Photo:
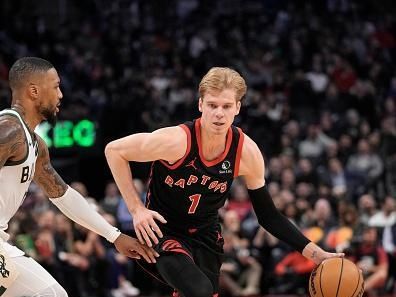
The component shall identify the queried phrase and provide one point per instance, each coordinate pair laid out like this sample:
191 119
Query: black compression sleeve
274 222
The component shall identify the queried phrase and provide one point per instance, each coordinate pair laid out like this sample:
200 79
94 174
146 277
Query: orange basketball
336 277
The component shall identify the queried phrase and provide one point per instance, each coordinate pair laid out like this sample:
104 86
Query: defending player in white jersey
36 97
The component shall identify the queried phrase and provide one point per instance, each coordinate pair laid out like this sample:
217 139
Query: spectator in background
389 245
387 215
112 199
119 270
293 270
274 170
314 145
241 272
371 259
338 178
306 173
80 187
123 215
239 200
323 215
44 242
367 208
345 147
348 226
366 164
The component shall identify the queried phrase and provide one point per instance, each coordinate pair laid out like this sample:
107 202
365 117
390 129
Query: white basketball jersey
15 178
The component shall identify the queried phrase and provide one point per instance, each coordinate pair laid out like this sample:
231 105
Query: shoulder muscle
12 139
252 166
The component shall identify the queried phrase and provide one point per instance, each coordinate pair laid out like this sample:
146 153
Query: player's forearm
123 177
313 252
75 207
274 222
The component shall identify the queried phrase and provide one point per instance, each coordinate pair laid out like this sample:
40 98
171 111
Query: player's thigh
33 280
180 271
210 263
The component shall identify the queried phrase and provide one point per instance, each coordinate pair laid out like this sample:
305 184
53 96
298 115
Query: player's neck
213 145
27 115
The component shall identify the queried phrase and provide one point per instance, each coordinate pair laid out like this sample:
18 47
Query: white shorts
32 279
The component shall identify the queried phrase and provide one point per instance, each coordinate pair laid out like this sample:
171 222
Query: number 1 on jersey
194 202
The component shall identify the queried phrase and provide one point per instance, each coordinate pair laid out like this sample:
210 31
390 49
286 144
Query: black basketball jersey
189 192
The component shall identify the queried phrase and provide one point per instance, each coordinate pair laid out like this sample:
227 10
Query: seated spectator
367 208
240 272
323 215
239 200
119 270
387 215
306 173
89 258
294 270
314 145
343 233
112 198
338 178
366 164
371 259
389 244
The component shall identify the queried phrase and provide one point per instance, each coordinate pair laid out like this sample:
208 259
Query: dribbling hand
326 255
147 230
132 248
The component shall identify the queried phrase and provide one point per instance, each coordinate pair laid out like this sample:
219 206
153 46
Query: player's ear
200 104
238 107
33 91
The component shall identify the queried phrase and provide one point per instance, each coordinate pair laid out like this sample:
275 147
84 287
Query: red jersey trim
179 162
219 158
239 152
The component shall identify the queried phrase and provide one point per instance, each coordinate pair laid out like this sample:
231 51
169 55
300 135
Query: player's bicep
12 140
252 166
168 144
45 175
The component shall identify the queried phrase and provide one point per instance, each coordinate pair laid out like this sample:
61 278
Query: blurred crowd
321 105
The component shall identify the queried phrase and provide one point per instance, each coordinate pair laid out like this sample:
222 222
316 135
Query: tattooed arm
12 140
76 208
45 175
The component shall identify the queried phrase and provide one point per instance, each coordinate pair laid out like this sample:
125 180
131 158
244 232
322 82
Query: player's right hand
132 248
147 230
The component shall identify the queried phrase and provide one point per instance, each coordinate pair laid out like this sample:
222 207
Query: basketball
336 277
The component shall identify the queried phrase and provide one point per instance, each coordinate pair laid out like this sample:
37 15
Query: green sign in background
67 134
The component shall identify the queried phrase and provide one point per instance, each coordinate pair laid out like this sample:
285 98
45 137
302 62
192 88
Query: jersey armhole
180 161
238 153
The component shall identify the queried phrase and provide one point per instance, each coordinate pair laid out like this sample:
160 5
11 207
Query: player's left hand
326 255
317 254
132 248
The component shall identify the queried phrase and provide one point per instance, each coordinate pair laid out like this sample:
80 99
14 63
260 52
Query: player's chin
219 129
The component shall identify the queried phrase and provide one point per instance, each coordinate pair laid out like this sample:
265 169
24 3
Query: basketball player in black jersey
193 167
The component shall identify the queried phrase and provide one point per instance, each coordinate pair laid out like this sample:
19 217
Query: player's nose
219 112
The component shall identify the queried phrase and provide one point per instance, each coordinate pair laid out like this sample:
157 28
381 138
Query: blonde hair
220 78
